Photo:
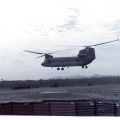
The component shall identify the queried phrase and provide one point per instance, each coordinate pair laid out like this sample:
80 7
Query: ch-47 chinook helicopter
84 57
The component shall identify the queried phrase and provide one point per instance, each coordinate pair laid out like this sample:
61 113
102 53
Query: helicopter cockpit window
48 61
82 52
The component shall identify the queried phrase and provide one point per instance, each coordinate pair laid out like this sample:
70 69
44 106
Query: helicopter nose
43 64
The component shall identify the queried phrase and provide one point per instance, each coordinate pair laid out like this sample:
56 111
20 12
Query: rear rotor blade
102 43
70 45
91 45
61 50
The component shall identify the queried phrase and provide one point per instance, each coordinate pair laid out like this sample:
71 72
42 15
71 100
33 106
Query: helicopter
84 57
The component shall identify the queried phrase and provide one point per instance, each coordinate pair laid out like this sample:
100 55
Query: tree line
25 84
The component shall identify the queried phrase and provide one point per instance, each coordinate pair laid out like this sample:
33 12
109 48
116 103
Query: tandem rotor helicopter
84 57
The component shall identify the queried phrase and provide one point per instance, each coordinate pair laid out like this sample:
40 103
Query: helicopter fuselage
85 57
66 62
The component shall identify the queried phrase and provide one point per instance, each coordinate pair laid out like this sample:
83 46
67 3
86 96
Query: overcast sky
42 25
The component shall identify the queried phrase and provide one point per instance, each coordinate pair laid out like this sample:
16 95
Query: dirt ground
107 92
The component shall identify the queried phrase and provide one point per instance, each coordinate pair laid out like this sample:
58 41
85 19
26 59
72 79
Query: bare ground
107 92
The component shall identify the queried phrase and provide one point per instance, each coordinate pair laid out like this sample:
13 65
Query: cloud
70 22
74 10
113 26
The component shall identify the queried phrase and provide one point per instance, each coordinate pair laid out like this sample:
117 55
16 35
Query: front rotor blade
33 52
41 56
103 43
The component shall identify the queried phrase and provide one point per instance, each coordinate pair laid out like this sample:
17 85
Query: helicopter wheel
58 68
86 67
82 66
62 68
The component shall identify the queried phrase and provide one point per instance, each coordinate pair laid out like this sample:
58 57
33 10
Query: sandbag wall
61 108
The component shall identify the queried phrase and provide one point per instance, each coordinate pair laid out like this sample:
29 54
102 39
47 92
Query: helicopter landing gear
84 66
58 68
62 68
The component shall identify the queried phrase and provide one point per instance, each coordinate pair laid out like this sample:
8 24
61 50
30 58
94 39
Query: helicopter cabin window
78 59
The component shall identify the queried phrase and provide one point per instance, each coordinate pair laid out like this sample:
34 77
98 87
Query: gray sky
41 25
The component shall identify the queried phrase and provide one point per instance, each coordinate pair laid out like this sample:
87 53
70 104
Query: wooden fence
62 108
